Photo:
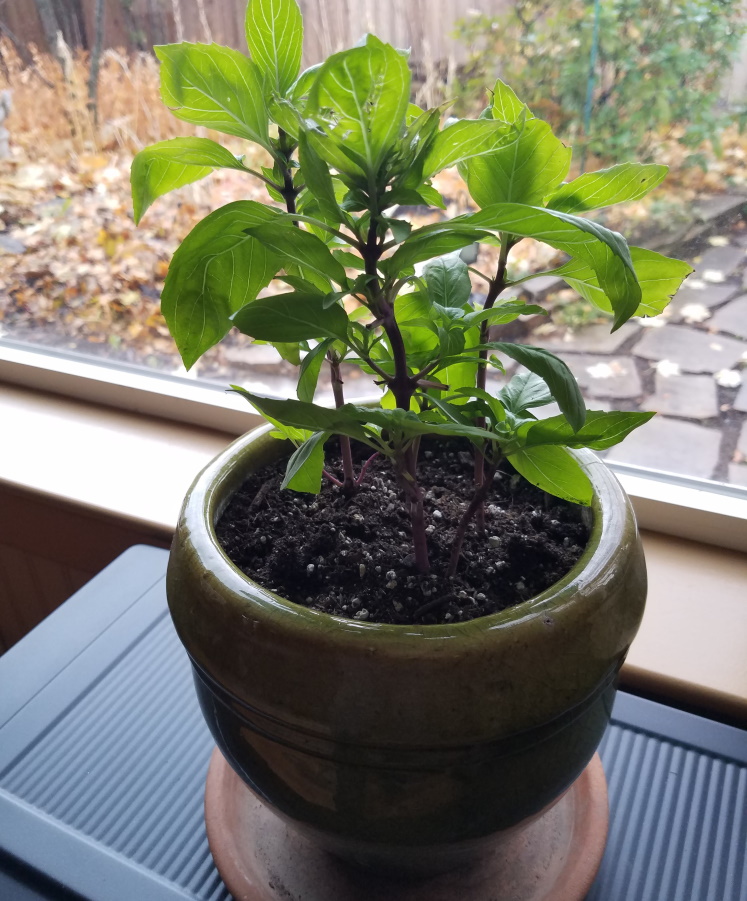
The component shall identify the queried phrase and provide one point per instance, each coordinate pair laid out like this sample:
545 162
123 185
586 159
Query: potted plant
416 737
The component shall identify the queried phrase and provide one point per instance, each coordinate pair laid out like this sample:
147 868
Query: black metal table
103 756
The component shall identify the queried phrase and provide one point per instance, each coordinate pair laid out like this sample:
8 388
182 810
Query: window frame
697 509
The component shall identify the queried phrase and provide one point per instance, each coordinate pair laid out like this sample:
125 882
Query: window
79 283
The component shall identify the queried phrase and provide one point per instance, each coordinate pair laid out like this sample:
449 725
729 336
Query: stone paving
689 365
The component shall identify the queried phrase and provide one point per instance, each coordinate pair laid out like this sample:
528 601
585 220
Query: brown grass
51 121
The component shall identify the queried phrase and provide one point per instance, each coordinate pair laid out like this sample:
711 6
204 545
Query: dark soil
352 556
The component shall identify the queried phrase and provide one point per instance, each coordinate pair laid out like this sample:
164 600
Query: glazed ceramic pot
404 746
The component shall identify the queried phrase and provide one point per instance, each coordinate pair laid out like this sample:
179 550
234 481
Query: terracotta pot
405 747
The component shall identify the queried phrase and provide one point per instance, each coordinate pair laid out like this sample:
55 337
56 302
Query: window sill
692 646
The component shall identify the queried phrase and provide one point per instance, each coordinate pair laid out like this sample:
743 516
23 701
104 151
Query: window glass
645 80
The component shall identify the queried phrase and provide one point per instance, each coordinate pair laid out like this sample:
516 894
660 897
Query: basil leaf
168 165
448 282
555 471
274 34
594 190
557 376
463 140
215 87
524 391
304 470
216 271
291 317
600 431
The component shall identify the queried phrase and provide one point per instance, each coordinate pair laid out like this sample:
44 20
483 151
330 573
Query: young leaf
600 431
308 374
557 376
524 391
605 251
555 471
506 105
448 281
217 270
168 165
594 190
463 140
304 470
291 317
318 180
524 172
367 90
660 278
274 33
215 87
297 247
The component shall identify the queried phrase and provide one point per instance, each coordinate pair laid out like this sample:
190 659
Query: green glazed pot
406 747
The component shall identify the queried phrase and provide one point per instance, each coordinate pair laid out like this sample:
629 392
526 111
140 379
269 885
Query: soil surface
352 557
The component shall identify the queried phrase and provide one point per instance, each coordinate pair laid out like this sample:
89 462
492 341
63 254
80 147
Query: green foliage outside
659 64
346 147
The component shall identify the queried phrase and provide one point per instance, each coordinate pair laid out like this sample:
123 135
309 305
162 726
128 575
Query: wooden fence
424 25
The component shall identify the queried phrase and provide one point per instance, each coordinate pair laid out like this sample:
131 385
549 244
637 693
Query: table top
103 756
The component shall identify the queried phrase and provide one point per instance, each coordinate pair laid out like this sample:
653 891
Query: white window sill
692 646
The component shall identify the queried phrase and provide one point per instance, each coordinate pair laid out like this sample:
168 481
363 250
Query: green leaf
168 165
274 33
555 471
216 271
318 179
407 425
660 278
557 376
304 470
506 105
464 140
427 243
524 172
594 190
600 431
297 247
367 92
605 251
503 313
291 317
524 391
345 420
448 281
215 87
308 374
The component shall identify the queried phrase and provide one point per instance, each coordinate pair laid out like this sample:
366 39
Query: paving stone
692 350
591 339
742 443
600 376
670 445
543 285
11 245
688 396
732 318
740 402
697 292
738 474
724 260
717 205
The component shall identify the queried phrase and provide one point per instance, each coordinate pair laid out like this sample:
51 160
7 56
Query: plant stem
476 503
349 484
403 387
496 286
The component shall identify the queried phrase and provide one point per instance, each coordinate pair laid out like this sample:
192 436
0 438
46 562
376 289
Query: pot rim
209 493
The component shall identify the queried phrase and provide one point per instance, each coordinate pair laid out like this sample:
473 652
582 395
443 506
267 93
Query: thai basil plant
346 150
